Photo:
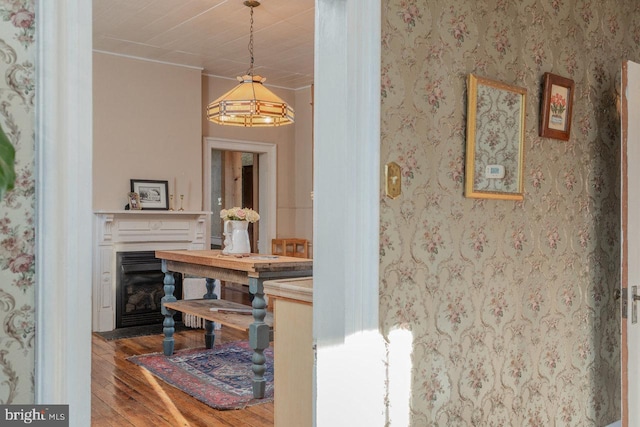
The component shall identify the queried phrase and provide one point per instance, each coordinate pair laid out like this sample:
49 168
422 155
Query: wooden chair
292 247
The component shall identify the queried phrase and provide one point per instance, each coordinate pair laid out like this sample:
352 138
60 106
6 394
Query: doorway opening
259 155
234 182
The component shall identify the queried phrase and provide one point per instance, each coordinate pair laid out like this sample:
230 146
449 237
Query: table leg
209 334
210 284
168 323
258 336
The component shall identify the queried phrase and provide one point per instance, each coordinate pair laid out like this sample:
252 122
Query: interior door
250 187
630 242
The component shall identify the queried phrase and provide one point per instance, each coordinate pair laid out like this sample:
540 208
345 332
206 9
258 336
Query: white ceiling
212 35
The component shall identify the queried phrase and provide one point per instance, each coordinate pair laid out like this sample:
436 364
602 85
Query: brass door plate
393 180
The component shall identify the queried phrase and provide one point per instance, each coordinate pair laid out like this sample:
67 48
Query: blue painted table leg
209 334
210 284
168 323
258 336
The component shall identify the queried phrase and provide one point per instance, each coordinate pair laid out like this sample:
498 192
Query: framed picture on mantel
154 195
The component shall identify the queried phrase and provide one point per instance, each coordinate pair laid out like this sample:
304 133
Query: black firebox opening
140 288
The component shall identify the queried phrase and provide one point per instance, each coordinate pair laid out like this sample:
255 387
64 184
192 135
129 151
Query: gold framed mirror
495 139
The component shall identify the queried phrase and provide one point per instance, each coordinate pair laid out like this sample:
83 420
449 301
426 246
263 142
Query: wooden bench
202 308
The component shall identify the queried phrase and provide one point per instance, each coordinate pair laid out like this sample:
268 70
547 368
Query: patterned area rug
219 377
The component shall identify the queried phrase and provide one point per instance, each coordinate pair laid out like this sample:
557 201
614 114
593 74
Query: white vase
236 237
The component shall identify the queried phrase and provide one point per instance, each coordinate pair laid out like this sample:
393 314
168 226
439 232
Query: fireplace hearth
140 288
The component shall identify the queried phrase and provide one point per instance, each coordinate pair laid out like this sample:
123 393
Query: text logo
34 415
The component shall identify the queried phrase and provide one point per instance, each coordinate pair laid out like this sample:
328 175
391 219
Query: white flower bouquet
239 214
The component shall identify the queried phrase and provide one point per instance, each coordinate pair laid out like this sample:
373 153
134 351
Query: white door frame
64 135
629 242
346 214
267 183
64 177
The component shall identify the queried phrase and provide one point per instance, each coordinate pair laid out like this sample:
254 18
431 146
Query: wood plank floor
123 394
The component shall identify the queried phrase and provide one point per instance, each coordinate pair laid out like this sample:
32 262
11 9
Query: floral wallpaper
510 304
17 209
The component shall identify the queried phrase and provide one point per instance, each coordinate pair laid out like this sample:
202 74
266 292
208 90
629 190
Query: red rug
219 377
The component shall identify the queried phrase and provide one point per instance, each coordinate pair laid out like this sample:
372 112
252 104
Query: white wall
147 125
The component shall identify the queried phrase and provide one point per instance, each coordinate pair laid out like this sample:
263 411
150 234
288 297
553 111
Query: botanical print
498 287
558 107
17 228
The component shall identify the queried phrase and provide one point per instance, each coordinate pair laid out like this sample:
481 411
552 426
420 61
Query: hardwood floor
123 394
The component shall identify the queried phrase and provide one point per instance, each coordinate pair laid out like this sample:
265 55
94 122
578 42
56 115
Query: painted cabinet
291 300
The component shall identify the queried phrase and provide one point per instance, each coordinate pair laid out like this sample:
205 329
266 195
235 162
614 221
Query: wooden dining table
251 270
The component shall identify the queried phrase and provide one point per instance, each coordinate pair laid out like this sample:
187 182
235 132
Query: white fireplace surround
125 231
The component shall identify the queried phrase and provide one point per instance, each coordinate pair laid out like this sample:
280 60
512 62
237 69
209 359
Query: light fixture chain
242 107
250 72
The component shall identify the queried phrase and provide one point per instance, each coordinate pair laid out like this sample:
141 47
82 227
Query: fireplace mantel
124 231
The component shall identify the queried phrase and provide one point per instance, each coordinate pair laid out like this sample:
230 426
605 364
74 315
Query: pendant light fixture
250 103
